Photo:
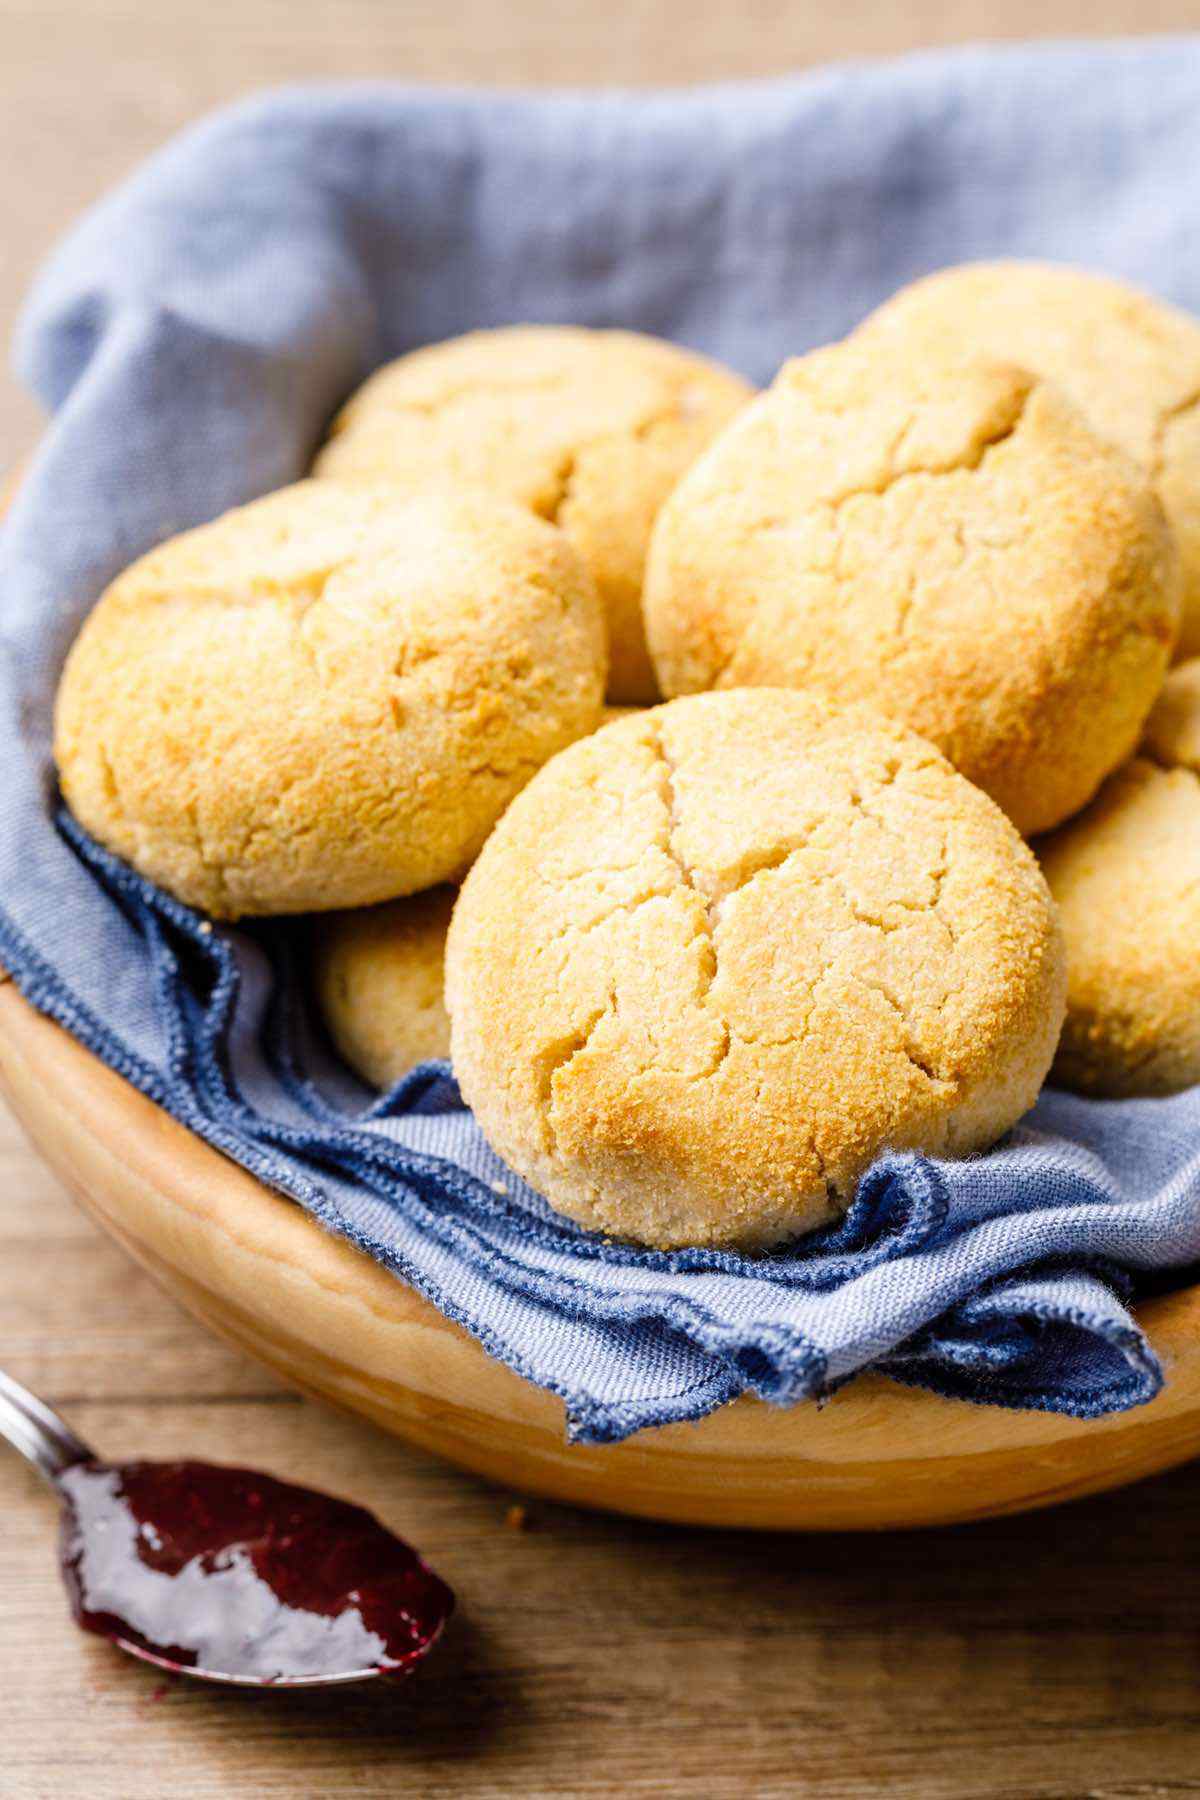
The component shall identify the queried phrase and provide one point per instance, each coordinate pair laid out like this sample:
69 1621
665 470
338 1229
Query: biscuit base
332 1323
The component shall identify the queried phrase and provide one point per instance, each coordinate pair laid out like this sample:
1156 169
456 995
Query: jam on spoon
227 1574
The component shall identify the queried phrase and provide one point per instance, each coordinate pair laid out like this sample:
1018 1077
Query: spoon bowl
228 1575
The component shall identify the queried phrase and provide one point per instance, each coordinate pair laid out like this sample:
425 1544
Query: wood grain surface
1054 1657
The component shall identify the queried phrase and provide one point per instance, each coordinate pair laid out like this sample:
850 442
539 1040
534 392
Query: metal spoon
224 1574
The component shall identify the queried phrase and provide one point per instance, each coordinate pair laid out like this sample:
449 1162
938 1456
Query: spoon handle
40 1435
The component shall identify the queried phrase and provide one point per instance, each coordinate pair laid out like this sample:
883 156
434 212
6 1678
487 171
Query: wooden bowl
328 1320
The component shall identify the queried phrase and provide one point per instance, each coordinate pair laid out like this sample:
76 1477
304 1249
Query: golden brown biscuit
1172 735
591 429
1131 364
946 541
1126 875
326 698
377 975
717 957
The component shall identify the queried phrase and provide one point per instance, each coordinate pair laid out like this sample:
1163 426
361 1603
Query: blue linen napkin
194 334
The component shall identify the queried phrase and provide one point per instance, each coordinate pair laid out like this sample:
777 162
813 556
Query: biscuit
1172 735
1126 875
328 697
943 540
715 958
1131 364
377 978
591 429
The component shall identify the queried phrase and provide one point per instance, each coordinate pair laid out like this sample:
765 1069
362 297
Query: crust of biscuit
944 540
377 977
326 698
1172 736
718 956
1129 361
591 429
1126 875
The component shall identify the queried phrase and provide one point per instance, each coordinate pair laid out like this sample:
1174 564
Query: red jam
228 1572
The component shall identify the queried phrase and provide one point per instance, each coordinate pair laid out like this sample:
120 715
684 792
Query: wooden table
1041 1659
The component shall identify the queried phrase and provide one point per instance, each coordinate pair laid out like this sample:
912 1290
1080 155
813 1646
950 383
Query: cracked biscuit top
944 540
328 697
1126 876
718 956
1130 362
591 429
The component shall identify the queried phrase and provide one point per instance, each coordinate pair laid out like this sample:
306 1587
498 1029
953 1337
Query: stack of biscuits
734 786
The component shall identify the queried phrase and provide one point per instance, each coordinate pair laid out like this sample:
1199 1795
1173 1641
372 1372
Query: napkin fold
193 335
